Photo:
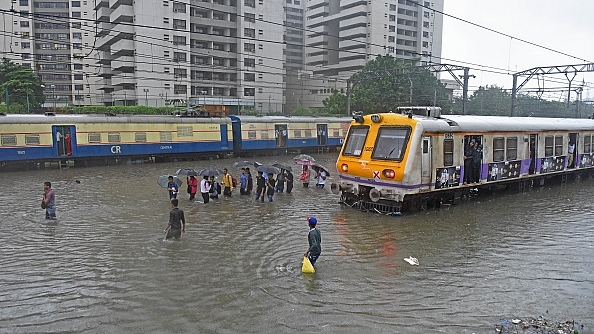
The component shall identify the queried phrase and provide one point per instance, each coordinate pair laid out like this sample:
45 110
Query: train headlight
389 173
375 118
344 168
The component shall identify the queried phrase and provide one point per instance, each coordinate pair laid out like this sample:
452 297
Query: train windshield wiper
389 154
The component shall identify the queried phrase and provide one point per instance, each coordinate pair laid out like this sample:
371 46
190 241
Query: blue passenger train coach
121 138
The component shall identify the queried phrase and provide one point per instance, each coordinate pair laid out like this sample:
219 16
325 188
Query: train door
224 137
236 128
533 153
473 158
280 134
322 134
64 140
572 150
426 163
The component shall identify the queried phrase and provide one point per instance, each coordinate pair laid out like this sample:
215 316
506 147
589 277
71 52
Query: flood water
103 266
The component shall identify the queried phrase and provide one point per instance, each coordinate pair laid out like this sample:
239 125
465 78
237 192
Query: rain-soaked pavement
103 265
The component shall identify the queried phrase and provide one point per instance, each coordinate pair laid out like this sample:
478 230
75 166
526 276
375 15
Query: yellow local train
417 158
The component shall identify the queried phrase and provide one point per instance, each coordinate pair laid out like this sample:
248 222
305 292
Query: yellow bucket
307 267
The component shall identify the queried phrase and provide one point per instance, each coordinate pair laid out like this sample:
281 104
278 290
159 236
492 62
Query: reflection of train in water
415 158
121 138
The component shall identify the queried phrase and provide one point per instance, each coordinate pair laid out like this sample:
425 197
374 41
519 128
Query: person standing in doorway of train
314 237
260 186
177 222
59 137
173 188
192 186
49 201
305 176
468 167
68 141
476 162
243 182
205 189
227 183
250 181
570 151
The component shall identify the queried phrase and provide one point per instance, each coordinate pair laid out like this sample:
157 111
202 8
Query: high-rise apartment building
221 52
53 38
343 35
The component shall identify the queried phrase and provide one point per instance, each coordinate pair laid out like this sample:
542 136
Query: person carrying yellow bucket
315 243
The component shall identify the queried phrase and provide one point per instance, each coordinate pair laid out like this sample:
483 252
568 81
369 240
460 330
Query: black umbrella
267 169
322 167
210 172
257 164
282 166
163 180
187 172
244 163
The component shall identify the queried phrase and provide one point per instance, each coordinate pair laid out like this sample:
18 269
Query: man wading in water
177 222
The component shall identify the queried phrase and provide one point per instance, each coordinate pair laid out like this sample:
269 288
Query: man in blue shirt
49 201
173 188
243 183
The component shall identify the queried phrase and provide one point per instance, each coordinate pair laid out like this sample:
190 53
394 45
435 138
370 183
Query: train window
558 145
165 136
113 137
587 143
548 146
355 140
391 143
297 133
185 131
498 149
140 137
336 133
94 137
264 134
512 148
345 132
8 140
32 140
307 134
448 152
251 134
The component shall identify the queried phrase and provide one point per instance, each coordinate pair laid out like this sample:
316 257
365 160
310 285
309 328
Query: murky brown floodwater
103 265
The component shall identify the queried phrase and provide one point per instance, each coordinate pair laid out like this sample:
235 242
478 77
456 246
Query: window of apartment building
218 31
425 24
250 17
249 92
391 39
218 16
250 3
426 14
249 76
78 66
198 60
250 32
24 24
78 87
427 4
179 40
179 7
391 28
25 56
78 77
77 35
75 3
392 7
218 61
47 4
180 73
180 89
179 24
24 2
76 15
249 47
76 46
26 45
392 18
75 25
426 34
249 62
24 13
218 46
179 57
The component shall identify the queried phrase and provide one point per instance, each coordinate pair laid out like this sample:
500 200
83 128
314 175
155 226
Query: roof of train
103 118
471 123
292 119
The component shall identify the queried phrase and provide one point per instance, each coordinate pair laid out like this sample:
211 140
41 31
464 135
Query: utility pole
465 88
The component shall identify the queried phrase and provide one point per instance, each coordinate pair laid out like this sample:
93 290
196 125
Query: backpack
234 181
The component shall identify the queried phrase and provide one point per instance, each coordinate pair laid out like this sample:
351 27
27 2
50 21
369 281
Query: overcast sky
564 26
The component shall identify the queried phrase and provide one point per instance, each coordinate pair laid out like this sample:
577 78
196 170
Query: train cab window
355 141
558 145
391 143
587 143
549 146
512 148
8 140
448 152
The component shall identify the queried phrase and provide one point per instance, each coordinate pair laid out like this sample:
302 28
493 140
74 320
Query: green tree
489 100
386 90
335 104
23 86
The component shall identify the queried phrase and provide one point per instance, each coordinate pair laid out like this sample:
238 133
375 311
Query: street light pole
53 87
146 96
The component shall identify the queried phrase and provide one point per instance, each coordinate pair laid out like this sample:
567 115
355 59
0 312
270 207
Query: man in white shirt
205 188
321 178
